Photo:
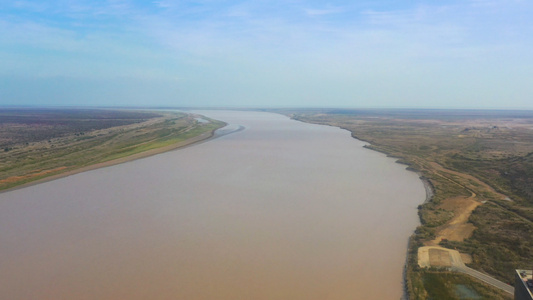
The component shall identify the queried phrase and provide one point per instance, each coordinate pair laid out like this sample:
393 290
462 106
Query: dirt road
433 256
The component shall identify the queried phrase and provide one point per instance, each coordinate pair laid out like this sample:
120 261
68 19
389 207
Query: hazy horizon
266 108
473 54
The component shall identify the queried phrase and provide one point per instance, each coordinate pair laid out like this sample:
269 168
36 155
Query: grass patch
56 152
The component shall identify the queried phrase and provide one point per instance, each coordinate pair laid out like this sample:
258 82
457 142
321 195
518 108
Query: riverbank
33 162
459 156
201 138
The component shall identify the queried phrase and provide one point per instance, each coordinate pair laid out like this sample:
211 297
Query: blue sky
429 54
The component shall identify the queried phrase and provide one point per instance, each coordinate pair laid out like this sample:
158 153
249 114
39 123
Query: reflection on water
281 210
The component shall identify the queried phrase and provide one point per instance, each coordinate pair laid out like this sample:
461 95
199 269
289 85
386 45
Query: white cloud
264 44
164 4
324 11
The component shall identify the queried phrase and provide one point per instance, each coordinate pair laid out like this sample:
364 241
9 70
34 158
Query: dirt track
458 228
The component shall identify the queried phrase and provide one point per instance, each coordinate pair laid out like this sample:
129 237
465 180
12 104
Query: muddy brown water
279 210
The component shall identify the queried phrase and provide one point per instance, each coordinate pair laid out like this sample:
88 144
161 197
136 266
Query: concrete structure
523 285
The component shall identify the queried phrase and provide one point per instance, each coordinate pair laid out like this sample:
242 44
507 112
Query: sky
362 54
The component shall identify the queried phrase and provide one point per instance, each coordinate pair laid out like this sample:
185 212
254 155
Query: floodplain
47 143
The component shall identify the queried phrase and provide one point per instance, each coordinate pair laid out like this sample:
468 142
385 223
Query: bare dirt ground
435 256
458 228
439 258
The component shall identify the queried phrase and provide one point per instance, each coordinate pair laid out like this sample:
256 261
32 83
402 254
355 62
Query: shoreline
204 137
448 180
429 191
428 187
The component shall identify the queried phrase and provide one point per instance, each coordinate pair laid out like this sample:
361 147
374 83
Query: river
279 209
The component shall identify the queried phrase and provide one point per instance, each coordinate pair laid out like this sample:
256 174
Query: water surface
278 210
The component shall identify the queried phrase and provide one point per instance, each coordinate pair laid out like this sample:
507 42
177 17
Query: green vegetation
42 143
447 285
502 241
473 160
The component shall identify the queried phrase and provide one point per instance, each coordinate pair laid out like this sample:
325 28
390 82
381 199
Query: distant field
20 126
38 143
479 165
